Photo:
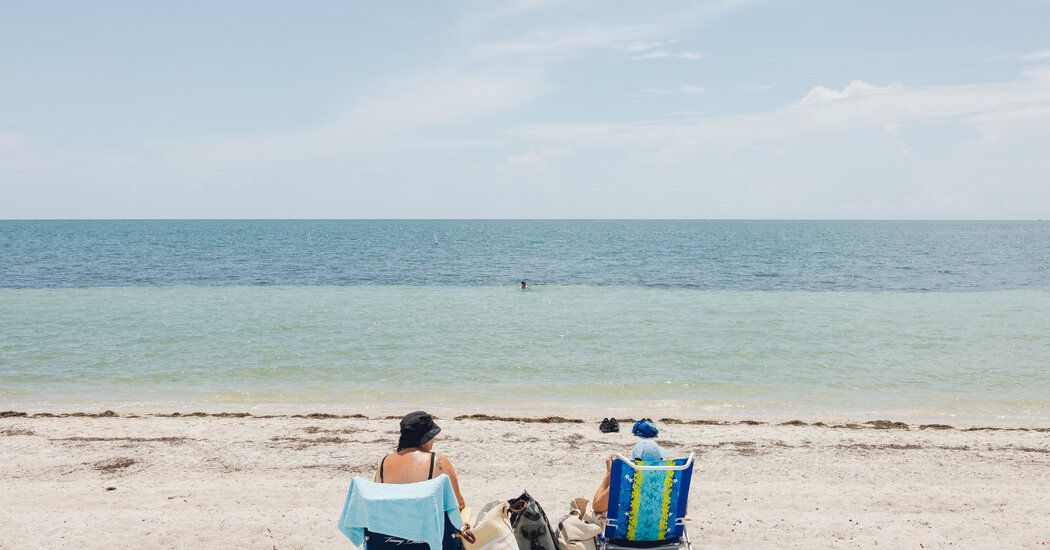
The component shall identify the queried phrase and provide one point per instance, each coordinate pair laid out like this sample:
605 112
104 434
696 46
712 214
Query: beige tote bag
491 529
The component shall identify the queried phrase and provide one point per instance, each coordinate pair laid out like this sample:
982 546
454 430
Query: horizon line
771 219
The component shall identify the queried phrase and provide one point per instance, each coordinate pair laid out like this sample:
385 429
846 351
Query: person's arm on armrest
447 469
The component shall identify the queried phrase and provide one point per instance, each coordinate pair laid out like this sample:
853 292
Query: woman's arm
447 469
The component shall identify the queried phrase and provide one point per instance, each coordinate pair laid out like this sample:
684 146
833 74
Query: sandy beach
103 480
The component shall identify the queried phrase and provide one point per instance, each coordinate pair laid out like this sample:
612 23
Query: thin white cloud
558 43
854 88
658 54
494 14
534 158
639 46
684 89
1037 56
587 31
664 54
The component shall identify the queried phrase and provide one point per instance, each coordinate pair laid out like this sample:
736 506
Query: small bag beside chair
578 530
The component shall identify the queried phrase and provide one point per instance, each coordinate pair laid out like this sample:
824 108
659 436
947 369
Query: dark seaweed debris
165 439
887 425
544 420
11 414
113 464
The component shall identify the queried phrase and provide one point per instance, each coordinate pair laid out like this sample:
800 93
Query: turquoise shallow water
692 352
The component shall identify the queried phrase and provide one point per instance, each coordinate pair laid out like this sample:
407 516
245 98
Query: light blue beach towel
412 511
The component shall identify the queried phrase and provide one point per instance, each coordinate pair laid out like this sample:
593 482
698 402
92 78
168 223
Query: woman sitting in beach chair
644 498
415 492
414 460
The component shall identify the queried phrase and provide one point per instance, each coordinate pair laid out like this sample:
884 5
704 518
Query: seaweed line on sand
871 424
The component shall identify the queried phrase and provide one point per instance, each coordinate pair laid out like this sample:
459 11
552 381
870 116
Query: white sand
280 482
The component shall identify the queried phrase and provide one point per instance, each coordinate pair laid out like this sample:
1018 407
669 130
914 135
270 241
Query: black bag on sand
531 527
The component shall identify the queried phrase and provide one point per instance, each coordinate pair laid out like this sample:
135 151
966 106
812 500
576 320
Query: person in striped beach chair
645 497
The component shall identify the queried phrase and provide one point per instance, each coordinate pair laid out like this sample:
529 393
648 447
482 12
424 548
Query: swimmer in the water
523 285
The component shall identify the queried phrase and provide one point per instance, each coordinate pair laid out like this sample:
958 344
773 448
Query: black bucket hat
416 429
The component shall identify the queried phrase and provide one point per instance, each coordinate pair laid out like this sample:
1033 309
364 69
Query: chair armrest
688 463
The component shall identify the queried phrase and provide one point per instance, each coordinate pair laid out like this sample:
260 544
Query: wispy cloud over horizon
662 54
653 50
683 89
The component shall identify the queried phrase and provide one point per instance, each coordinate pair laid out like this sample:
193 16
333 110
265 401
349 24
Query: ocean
810 319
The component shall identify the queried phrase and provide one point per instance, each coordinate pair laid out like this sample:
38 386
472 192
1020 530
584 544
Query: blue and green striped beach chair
647 503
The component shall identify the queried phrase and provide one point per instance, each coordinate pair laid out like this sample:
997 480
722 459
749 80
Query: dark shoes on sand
609 425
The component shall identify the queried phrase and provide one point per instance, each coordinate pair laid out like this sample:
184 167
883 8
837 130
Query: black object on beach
609 425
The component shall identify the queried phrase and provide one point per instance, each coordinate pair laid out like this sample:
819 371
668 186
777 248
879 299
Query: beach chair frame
680 538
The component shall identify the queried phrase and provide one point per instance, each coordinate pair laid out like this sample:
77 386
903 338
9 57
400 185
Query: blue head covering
648 450
644 428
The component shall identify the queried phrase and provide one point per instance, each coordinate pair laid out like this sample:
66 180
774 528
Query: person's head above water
417 431
523 284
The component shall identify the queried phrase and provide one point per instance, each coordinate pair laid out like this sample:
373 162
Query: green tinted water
977 355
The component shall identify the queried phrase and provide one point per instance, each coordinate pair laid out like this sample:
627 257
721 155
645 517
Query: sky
527 109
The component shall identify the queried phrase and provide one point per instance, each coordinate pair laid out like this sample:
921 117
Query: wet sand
188 480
